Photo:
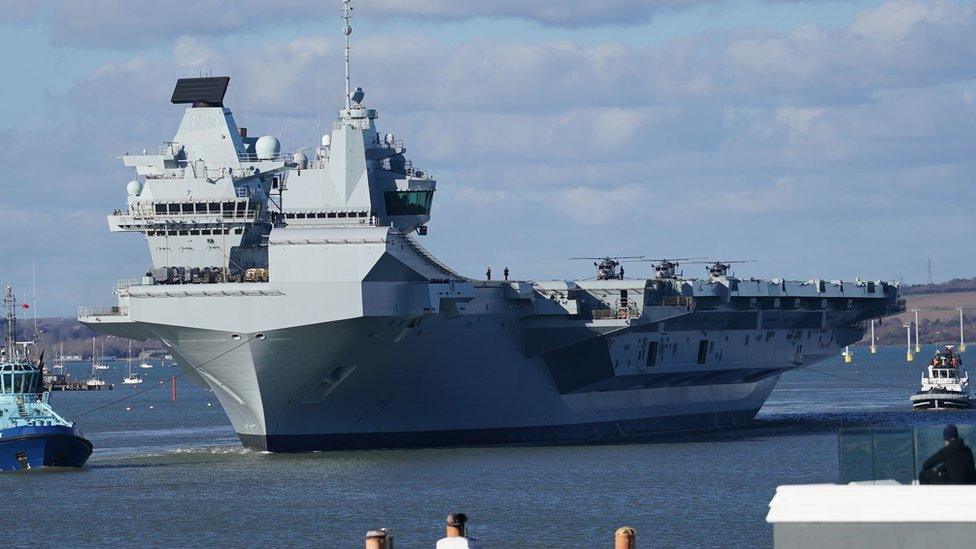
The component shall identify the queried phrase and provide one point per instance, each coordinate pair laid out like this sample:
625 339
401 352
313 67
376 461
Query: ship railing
412 242
166 148
124 283
287 158
102 311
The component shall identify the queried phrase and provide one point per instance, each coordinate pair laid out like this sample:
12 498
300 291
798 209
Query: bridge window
160 209
408 202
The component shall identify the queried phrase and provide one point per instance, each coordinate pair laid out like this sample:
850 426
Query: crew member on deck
505 272
488 273
952 464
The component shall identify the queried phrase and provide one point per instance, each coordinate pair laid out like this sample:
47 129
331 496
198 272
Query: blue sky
823 138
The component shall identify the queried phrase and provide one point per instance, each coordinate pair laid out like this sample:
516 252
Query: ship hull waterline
944 401
40 447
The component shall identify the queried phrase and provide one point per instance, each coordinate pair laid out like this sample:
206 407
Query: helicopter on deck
609 268
720 269
668 267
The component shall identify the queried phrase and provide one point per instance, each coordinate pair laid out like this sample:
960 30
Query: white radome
267 147
300 159
327 140
134 188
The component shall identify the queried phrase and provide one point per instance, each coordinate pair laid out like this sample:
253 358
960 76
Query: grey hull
597 433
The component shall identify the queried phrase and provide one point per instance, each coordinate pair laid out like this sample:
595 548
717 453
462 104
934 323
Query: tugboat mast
10 303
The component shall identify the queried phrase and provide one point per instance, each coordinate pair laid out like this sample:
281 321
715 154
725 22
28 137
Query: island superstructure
293 285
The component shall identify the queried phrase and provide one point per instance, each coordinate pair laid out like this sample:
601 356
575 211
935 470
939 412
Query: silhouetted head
455 524
950 432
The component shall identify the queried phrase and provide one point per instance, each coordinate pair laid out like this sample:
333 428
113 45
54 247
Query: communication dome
326 140
267 147
134 188
300 159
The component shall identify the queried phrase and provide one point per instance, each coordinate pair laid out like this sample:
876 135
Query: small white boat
94 382
945 384
100 366
146 366
130 378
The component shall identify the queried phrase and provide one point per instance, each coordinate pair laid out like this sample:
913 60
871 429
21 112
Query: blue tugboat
32 435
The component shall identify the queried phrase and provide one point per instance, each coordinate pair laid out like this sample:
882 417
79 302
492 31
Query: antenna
34 297
11 335
347 30
929 269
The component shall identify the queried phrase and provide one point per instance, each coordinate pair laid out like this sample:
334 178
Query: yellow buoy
848 355
909 357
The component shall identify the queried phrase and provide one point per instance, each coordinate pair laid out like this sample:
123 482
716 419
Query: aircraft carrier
293 285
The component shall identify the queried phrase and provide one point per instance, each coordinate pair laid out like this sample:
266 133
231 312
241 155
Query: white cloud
127 24
596 206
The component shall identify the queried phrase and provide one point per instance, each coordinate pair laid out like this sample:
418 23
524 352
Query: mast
10 302
34 299
347 30
918 348
908 353
874 348
962 333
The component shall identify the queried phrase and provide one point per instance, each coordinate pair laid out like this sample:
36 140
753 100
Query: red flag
24 306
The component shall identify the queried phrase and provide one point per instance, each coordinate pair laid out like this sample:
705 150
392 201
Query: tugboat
945 384
32 435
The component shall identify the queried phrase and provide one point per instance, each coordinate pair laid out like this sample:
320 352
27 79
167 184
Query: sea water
174 473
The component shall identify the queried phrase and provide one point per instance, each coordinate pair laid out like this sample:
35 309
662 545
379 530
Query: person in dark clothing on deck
954 462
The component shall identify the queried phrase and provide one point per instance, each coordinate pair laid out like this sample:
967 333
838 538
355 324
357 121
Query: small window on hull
651 354
702 351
